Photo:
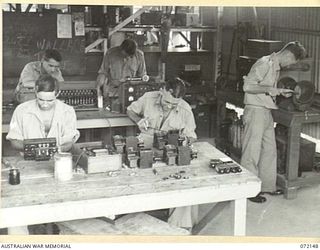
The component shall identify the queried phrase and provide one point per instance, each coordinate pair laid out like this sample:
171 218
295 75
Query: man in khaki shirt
49 65
119 63
43 117
259 152
166 110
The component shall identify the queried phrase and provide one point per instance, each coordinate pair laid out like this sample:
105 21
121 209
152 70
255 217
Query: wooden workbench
40 198
293 120
85 119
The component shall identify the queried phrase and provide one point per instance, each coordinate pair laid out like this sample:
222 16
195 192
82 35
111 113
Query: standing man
49 65
259 152
119 63
166 110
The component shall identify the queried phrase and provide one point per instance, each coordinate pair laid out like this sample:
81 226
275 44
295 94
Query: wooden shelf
174 29
155 49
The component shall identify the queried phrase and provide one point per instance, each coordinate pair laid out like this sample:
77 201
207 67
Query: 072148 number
304 246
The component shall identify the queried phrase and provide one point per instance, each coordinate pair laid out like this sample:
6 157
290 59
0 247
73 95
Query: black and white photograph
140 120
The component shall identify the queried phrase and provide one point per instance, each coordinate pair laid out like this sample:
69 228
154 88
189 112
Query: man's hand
143 124
276 92
100 82
287 92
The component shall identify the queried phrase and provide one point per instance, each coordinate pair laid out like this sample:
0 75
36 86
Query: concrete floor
277 217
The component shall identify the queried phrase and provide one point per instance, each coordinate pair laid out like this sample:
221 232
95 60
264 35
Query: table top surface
81 114
38 185
85 119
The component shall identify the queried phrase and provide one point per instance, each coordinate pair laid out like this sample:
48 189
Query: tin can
63 166
14 176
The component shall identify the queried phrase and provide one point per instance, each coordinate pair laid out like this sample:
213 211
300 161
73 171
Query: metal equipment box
94 157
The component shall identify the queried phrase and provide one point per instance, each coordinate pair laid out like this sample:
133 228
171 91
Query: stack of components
225 167
174 152
39 149
95 157
131 152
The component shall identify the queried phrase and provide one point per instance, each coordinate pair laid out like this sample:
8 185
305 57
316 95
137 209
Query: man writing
49 65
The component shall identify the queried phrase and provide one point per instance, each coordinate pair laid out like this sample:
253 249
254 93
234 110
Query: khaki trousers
259 152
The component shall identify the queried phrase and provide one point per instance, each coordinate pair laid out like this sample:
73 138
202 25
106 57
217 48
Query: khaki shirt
116 67
264 72
26 123
28 77
148 106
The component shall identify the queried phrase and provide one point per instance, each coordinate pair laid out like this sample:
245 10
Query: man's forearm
100 80
133 116
65 147
256 89
17 144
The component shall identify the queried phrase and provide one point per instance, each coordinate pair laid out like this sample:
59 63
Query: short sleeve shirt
27 124
30 74
264 72
117 67
181 117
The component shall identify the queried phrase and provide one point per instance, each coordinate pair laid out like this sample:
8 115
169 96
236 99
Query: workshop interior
111 181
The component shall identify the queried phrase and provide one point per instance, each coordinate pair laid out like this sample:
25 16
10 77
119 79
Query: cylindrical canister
63 166
14 176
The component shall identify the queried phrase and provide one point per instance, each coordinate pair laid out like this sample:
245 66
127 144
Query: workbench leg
239 208
292 162
214 211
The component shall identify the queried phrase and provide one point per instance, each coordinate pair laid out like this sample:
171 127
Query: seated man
166 110
40 118
49 65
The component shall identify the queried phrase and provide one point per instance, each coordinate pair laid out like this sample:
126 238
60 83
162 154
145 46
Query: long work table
85 119
40 198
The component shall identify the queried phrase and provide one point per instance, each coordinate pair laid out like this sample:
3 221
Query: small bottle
14 177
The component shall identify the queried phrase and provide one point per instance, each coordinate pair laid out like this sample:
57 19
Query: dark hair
296 48
129 46
176 86
52 53
46 83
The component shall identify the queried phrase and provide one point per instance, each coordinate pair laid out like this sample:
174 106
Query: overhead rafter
28 8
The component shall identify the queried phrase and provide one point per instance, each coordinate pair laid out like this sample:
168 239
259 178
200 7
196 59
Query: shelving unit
197 32
208 61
